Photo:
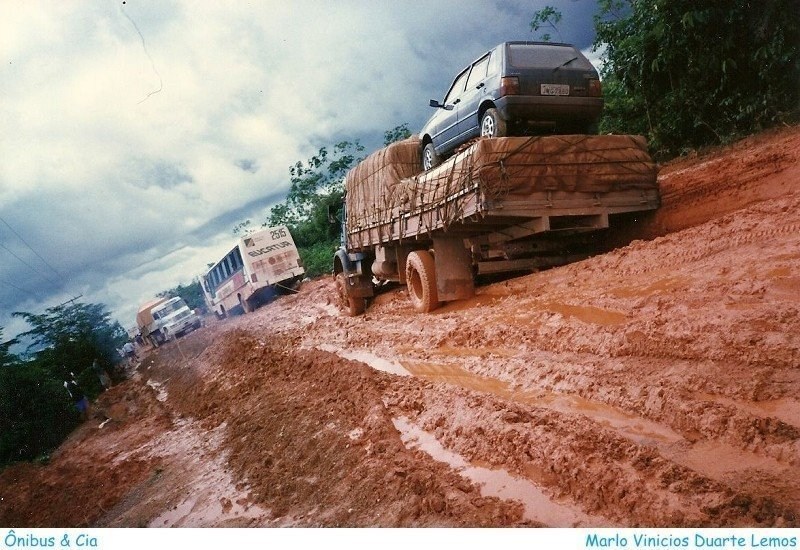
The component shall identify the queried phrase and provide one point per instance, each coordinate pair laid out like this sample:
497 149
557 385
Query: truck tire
421 281
351 305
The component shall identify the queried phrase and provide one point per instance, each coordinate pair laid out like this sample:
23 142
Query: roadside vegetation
689 74
313 205
36 411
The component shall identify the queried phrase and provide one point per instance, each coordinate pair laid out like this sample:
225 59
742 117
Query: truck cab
166 319
174 318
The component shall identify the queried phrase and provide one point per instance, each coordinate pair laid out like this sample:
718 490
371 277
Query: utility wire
30 247
25 290
35 270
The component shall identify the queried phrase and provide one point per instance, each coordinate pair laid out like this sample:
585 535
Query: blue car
516 88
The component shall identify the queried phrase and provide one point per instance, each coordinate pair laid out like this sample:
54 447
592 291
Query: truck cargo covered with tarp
494 181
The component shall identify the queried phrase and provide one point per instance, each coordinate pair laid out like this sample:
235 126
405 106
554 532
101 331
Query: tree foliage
316 188
36 412
70 337
546 18
316 192
689 73
7 358
397 133
192 294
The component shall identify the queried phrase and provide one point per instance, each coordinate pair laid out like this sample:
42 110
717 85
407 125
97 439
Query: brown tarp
388 183
374 186
145 314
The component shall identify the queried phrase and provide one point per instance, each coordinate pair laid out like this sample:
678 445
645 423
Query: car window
478 71
494 61
457 88
526 56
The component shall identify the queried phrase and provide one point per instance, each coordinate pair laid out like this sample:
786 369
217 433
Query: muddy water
538 507
374 361
786 410
215 500
637 429
729 462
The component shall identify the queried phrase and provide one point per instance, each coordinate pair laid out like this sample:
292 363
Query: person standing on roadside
78 397
102 375
130 352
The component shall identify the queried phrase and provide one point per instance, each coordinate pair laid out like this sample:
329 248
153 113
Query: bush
318 258
691 73
36 412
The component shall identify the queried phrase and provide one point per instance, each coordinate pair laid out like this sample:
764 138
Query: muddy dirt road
654 385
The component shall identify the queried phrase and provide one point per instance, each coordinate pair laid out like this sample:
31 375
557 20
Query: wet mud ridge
654 385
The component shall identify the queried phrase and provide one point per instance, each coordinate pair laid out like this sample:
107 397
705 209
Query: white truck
165 319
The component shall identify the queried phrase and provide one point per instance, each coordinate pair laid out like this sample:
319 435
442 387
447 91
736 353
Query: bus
258 267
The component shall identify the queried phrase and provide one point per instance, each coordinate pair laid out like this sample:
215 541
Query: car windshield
542 56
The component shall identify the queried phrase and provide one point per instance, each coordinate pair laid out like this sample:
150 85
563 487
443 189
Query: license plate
555 89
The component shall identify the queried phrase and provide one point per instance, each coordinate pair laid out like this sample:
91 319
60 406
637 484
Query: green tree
547 17
316 188
68 338
397 133
7 358
698 72
36 412
316 191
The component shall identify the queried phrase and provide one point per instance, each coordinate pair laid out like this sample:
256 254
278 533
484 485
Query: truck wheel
492 125
351 305
421 280
429 157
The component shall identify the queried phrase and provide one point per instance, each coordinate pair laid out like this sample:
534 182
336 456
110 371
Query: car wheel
429 157
492 125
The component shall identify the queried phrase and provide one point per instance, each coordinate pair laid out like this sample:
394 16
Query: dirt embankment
653 385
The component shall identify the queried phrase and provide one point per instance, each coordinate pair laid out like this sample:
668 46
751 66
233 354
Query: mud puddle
538 507
370 359
632 427
786 409
215 500
728 460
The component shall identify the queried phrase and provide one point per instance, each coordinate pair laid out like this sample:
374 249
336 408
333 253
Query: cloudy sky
134 135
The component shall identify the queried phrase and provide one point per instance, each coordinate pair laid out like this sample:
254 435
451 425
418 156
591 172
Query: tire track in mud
715 244
585 462
678 449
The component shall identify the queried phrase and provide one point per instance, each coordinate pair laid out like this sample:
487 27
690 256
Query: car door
475 90
447 124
